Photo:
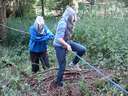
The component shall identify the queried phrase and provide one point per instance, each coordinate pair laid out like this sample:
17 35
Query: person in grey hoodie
63 43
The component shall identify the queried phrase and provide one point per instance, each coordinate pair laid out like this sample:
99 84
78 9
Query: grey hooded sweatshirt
64 27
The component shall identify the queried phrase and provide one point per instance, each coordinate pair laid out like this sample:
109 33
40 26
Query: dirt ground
71 86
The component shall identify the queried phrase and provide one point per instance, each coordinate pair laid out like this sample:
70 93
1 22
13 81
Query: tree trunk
42 6
2 19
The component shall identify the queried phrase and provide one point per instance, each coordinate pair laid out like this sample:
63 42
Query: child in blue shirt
39 35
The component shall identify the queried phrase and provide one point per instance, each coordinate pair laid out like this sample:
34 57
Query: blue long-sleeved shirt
38 42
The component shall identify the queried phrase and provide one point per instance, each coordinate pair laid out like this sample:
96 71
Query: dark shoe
35 68
60 84
54 85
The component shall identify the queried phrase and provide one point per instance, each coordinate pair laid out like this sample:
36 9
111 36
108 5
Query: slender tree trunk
42 6
2 19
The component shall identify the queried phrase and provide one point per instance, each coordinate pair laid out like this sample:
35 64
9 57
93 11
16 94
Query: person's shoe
71 64
52 85
76 67
60 84
35 68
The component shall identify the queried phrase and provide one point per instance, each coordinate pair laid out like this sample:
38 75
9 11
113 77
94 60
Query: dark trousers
36 57
61 57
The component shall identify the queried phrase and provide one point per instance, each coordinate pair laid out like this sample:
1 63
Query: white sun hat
39 21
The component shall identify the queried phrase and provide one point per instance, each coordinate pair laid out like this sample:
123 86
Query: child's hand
68 47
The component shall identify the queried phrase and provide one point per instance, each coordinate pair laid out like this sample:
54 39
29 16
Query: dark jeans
61 57
36 57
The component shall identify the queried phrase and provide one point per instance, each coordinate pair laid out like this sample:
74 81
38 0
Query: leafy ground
84 83
16 78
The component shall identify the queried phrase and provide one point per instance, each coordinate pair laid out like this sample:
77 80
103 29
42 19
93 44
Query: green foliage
100 84
10 66
15 37
13 61
50 4
84 89
103 36
25 8
106 88
126 87
124 1
61 4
